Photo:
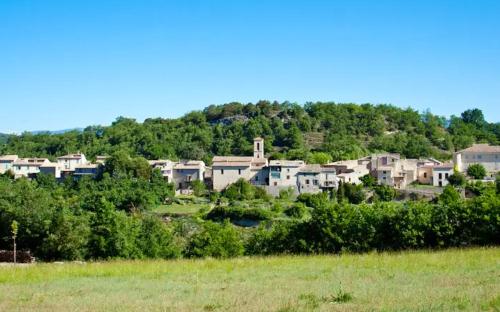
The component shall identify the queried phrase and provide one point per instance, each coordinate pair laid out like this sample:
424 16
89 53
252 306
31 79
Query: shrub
476 171
384 192
215 240
297 210
457 179
368 180
237 213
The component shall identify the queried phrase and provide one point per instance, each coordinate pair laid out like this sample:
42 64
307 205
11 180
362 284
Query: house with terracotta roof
228 169
484 154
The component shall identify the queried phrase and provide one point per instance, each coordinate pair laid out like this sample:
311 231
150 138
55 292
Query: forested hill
316 132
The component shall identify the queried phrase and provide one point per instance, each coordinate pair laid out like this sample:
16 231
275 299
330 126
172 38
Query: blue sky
66 64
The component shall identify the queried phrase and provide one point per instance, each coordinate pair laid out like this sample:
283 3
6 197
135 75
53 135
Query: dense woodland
112 215
316 132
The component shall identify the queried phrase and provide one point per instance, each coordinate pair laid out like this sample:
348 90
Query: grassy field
411 281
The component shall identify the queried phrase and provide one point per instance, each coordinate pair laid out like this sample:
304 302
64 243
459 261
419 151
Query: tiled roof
287 163
71 156
482 148
8 157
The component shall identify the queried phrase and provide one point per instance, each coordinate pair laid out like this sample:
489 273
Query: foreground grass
418 281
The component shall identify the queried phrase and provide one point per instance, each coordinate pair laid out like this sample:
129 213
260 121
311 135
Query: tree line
316 132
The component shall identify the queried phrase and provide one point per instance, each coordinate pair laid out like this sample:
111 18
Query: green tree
215 240
457 179
476 171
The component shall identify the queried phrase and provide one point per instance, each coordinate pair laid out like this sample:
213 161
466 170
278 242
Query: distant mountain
56 131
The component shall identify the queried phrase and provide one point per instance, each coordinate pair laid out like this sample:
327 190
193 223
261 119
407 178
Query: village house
89 170
185 172
166 168
484 154
228 169
51 168
440 174
70 161
316 178
27 167
6 162
350 171
283 175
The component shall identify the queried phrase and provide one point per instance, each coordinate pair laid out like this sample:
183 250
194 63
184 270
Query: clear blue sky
66 64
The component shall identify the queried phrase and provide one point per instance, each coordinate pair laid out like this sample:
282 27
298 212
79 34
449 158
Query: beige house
27 167
350 171
390 169
484 154
228 169
51 168
6 162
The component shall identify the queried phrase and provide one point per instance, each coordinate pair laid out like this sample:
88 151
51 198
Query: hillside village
275 175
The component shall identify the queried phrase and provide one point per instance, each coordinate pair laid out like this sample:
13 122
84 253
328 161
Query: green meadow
451 280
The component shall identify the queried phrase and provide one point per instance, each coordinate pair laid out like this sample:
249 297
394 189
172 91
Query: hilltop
316 132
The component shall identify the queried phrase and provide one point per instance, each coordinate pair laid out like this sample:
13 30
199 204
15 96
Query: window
288 177
307 181
479 156
440 175
275 183
256 178
384 172
222 171
258 146
239 171
446 175
425 174
287 169
315 182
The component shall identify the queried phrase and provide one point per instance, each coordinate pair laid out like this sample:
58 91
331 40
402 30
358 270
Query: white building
166 168
186 172
440 174
228 169
316 178
283 175
6 162
484 154
70 161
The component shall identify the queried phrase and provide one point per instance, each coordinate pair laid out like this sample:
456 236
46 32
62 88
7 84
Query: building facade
484 154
